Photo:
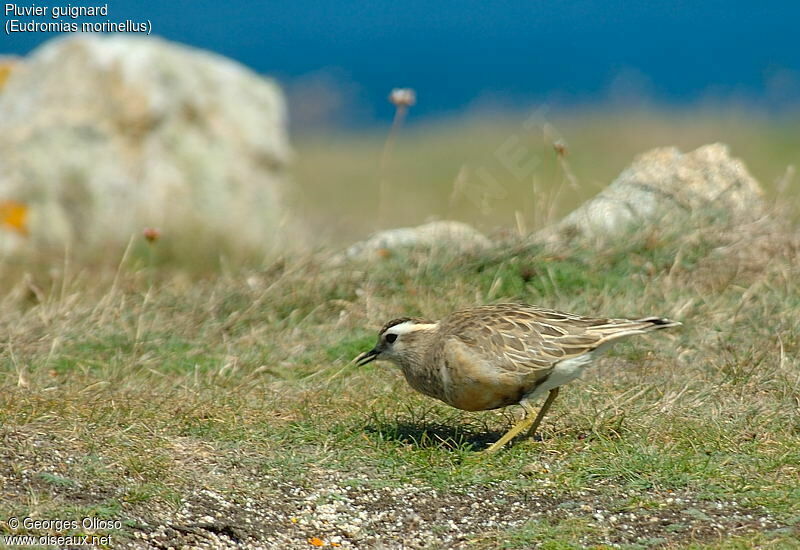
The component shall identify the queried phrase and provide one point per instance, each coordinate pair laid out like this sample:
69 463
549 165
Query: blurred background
598 81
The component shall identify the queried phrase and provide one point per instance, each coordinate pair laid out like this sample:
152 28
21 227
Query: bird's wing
523 338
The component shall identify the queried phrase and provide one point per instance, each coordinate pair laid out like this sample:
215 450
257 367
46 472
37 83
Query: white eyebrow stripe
410 326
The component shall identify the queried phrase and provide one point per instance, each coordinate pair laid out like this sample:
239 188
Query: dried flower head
560 148
403 97
152 234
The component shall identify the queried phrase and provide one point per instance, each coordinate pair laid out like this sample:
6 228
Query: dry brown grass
167 387
126 389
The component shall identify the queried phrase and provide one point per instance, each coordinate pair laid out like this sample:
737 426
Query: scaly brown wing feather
522 338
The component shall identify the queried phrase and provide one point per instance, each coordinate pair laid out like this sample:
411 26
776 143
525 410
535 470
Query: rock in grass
104 136
669 190
448 237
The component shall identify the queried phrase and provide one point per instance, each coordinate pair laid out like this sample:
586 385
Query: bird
493 356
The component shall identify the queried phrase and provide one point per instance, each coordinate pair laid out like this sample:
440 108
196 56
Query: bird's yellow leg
546 407
529 421
513 432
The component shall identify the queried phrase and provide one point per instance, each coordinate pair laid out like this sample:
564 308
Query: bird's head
400 341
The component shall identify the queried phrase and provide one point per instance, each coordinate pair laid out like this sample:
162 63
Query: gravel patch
232 506
349 513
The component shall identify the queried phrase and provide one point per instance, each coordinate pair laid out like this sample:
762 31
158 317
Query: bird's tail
657 323
620 328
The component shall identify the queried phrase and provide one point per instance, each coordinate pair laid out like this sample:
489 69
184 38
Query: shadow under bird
493 356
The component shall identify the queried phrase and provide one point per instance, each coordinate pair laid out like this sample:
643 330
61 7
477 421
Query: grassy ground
511 159
218 409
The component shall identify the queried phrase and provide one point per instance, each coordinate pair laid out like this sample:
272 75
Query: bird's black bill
366 357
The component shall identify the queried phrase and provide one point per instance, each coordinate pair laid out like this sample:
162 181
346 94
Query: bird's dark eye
391 338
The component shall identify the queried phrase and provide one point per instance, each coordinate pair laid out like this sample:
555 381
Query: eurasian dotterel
493 356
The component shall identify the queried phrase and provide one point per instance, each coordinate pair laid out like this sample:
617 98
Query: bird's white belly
563 372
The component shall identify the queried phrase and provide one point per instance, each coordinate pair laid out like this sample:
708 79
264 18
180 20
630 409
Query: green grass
159 386
129 392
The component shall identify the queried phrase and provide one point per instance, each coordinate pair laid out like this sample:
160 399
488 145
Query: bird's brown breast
473 383
475 396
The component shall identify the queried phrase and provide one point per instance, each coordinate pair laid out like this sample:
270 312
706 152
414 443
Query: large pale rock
103 136
668 189
440 236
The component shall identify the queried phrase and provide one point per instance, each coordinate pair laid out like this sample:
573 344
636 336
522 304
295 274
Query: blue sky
462 54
